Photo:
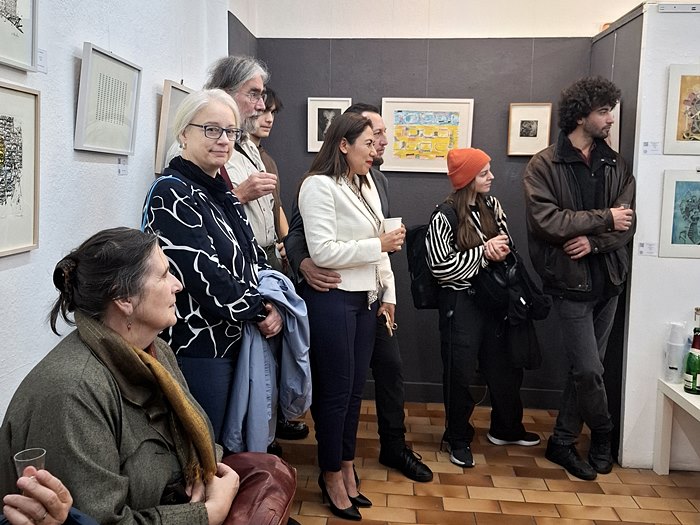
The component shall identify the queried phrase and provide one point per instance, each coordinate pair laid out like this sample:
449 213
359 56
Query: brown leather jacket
555 215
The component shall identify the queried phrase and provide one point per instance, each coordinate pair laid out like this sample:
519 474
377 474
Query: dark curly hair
584 96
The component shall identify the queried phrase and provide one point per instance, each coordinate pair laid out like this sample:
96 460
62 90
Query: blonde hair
193 104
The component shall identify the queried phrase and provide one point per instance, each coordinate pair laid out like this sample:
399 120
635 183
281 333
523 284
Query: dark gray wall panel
494 72
240 40
616 55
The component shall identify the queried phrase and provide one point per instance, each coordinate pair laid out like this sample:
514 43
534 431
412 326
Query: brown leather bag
267 489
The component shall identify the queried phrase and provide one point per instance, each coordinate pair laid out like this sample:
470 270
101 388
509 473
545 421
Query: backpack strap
449 212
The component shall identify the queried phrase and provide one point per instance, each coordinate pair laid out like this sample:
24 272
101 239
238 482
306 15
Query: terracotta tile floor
509 485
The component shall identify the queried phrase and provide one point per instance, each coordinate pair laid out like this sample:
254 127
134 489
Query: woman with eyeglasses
206 237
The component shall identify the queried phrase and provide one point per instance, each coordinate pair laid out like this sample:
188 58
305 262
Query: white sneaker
530 439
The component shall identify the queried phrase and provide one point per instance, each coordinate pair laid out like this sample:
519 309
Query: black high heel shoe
360 500
351 513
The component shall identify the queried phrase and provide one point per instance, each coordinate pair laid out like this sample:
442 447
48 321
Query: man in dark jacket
386 358
579 197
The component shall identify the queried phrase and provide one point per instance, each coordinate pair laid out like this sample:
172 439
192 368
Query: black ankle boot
567 456
600 453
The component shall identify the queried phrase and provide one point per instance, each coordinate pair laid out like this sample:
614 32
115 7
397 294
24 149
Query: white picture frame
18 34
529 127
320 113
680 211
421 131
19 168
682 132
173 95
107 102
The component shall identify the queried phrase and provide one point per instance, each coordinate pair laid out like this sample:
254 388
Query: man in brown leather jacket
579 197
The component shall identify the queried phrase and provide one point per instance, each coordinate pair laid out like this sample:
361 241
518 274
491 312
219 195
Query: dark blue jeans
342 338
210 382
586 328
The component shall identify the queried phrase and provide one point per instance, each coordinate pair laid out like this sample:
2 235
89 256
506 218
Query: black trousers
388 388
342 336
470 335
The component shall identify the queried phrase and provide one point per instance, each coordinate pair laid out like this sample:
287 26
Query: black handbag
493 282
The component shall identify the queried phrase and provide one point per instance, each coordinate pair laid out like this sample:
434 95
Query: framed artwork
421 131
18 34
682 135
320 114
107 102
173 95
680 215
528 127
19 169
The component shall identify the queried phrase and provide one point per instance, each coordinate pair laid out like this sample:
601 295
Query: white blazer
342 235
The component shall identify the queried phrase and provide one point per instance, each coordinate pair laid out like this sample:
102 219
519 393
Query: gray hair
195 102
230 73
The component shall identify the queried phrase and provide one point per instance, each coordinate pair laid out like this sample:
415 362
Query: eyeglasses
254 96
215 132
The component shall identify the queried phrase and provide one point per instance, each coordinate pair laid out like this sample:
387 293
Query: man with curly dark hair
579 197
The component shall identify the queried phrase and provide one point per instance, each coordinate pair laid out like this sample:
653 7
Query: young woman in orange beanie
470 334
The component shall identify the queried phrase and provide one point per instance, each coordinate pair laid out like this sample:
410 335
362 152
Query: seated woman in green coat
109 403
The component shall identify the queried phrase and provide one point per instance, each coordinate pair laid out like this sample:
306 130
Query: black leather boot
600 453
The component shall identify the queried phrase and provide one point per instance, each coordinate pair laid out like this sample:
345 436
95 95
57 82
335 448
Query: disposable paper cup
391 224
30 457
678 333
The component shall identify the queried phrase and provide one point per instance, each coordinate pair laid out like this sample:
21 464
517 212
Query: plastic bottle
692 365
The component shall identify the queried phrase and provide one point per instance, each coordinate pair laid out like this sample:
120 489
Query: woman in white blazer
342 215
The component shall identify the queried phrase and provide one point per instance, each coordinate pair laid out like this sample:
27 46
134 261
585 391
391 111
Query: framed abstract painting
19 169
682 135
680 215
421 131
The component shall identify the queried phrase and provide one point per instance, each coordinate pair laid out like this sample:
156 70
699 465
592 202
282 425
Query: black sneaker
462 456
408 462
291 429
600 453
529 439
567 456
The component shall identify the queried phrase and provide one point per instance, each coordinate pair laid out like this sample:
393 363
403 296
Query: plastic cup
678 333
391 224
674 366
30 457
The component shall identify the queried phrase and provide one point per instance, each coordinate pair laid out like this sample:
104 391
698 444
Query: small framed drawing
173 95
107 102
18 34
680 215
19 169
421 131
320 114
682 135
528 127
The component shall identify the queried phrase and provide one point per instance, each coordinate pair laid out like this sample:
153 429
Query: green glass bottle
692 365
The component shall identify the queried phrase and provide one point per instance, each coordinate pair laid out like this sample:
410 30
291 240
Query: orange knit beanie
463 165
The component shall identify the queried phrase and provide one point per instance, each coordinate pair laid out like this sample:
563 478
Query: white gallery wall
80 192
427 18
662 289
